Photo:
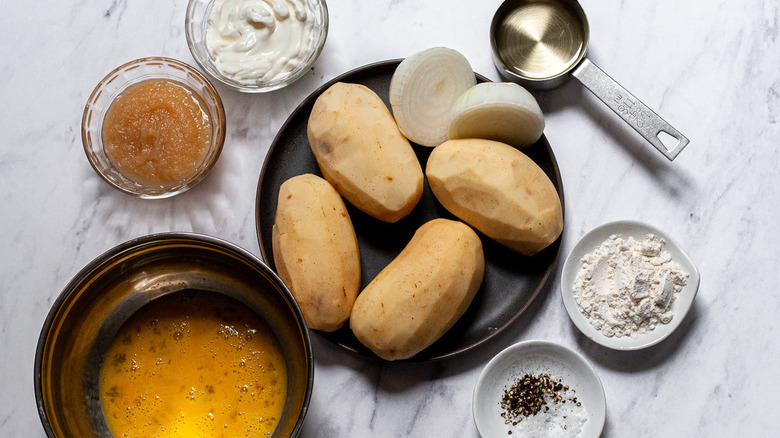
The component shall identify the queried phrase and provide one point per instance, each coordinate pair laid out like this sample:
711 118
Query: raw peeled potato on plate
361 152
423 89
315 251
501 111
498 190
422 293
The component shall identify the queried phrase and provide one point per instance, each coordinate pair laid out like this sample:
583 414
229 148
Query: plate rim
586 244
545 280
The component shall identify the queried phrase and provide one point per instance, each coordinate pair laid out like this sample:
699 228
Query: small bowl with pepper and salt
539 388
628 285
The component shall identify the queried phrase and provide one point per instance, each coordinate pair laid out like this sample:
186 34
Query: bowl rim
219 126
264 87
588 242
568 356
138 242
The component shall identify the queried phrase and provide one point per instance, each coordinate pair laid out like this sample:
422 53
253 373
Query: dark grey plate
512 281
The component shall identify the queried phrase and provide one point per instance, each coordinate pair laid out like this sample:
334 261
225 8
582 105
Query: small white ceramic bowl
638 230
536 357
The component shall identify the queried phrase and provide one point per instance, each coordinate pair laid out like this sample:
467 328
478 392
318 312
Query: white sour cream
259 40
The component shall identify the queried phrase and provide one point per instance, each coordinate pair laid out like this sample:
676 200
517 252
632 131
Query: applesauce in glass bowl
154 127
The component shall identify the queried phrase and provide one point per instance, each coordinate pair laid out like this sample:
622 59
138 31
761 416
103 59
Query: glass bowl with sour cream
256 46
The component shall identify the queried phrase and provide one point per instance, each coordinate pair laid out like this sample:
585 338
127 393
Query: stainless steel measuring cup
540 43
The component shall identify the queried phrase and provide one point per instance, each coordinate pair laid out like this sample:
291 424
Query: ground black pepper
530 395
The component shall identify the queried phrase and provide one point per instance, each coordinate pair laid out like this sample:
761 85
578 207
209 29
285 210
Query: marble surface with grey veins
712 69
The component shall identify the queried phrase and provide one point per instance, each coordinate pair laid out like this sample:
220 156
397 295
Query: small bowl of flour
627 285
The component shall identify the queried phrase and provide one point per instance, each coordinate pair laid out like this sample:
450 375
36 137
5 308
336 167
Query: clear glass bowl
118 81
197 23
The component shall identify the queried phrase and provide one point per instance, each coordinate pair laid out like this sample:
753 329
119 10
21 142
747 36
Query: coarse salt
561 420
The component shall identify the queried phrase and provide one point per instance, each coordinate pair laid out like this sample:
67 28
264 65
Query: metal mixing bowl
92 308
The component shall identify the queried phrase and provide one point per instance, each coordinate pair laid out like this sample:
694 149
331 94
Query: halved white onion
423 89
501 111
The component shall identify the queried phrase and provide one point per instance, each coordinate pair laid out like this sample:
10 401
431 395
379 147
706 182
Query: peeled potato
499 191
315 251
422 292
361 152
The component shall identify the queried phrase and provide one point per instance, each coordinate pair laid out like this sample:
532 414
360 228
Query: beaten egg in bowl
193 364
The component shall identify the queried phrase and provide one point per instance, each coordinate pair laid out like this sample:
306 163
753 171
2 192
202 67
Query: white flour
626 288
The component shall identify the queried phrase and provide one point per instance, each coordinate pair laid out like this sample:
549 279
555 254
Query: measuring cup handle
629 108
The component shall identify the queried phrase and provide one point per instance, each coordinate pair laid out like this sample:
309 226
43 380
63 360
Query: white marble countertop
709 68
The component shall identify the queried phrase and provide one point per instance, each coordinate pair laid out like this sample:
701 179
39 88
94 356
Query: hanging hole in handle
668 140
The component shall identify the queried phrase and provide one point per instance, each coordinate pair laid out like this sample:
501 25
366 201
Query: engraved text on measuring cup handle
644 120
